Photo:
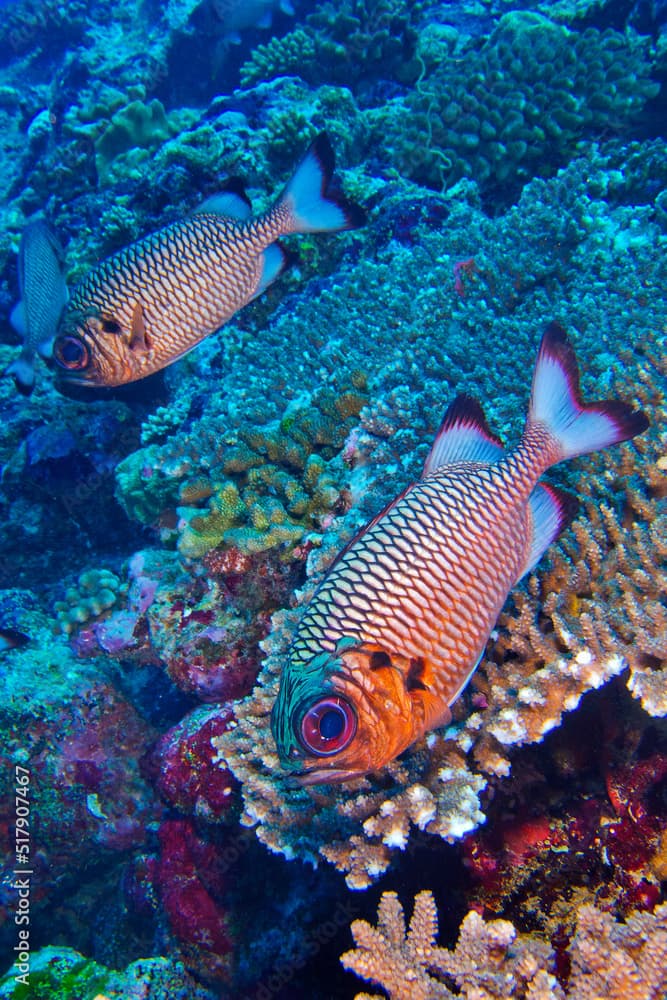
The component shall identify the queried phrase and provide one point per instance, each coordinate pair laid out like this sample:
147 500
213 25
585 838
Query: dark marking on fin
413 681
11 638
110 325
379 659
138 337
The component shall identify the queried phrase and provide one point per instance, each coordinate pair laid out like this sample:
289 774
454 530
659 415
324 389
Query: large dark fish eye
328 726
71 353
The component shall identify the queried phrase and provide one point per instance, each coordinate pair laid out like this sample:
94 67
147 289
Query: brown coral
492 961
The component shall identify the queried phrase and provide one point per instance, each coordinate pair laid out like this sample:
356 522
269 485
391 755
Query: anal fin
552 510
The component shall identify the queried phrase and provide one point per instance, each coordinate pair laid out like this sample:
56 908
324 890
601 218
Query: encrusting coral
492 961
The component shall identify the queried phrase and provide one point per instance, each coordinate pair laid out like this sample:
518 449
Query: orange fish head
351 712
92 349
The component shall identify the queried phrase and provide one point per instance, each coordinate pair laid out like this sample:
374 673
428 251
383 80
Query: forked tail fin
312 207
575 427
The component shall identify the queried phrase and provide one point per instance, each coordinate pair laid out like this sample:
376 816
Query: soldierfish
152 302
397 627
239 14
11 638
43 295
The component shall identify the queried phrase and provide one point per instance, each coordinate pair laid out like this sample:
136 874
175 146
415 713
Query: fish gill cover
162 541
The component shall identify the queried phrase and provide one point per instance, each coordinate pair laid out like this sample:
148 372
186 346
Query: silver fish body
43 296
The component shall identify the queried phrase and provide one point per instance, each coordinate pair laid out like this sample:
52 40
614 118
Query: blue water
160 538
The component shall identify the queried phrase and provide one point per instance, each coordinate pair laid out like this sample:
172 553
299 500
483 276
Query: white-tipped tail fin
311 206
576 427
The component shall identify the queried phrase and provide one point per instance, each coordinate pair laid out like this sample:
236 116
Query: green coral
515 107
96 591
147 482
164 421
201 531
56 973
294 54
61 973
256 488
136 126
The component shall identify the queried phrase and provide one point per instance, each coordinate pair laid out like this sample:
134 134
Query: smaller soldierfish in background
11 638
43 296
236 15
149 304
396 629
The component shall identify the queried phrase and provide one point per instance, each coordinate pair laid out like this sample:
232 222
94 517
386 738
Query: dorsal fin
552 511
464 436
231 201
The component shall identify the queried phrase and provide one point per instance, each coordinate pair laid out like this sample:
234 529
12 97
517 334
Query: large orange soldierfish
152 302
397 627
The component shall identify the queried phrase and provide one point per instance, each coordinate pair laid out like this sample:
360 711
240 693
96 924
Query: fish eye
328 726
71 353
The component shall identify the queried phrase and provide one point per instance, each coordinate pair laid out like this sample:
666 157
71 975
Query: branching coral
492 961
489 963
597 607
254 489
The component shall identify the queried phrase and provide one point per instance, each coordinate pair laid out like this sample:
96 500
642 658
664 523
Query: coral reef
253 489
568 636
491 960
244 472
96 592
500 115
63 972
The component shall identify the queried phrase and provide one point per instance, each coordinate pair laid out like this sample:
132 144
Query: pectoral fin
138 337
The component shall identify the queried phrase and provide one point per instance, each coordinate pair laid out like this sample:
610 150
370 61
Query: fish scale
397 627
347 604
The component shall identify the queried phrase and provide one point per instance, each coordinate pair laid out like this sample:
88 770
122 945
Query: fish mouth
325 775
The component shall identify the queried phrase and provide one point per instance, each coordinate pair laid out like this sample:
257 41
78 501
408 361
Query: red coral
187 777
189 889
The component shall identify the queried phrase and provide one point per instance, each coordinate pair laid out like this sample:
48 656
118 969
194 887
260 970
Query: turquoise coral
518 105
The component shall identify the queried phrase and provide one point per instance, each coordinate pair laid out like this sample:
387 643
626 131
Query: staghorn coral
517 106
617 961
492 961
